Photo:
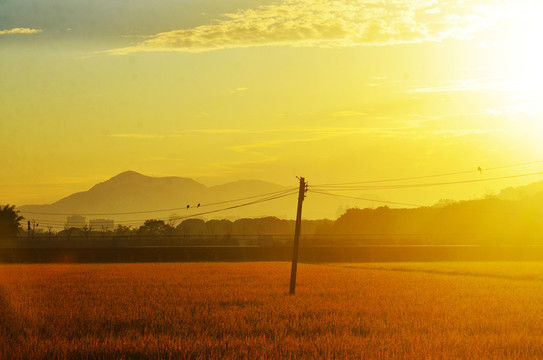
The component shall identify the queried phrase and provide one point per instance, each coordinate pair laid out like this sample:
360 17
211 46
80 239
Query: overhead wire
365 199
162 210
174 218
434 175
510 212
405 186
323 189
292 192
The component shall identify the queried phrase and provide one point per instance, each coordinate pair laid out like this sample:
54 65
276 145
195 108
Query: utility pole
301 196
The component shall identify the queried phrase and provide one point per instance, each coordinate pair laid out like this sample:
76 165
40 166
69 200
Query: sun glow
521 52
515 57
221 91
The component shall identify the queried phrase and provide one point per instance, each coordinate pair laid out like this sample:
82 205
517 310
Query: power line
434 175
337 186
405 186
360 198
476 211
291 192
315 188
161 210
396 179
250 197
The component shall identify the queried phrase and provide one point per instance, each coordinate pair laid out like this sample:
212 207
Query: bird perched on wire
480 170
188 207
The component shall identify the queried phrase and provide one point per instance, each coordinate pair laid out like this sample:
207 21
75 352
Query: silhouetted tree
123 230
192 227
219 227
50 231
323 226
67 231
155 227
9 221
172 219
87 229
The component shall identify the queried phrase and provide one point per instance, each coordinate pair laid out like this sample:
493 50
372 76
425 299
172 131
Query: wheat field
243 310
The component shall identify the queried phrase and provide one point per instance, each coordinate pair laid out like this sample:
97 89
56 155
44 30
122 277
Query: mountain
139 197
135 193
521 192
131 191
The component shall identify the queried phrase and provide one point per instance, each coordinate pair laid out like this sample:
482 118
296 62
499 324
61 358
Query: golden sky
336 91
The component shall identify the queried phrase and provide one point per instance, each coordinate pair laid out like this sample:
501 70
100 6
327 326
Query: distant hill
142 196
131 190
521 192
514 216
513 213
134 192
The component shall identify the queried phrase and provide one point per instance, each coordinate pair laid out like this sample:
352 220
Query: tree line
10 226
474 221
199 227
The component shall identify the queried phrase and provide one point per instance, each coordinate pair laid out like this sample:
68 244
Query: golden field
243 310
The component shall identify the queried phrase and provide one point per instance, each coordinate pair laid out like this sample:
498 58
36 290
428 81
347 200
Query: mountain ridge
520 192
132 192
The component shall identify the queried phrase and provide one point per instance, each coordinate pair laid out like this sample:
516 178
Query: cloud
275 143
269 131
462 132
24 31
311 134
412 124
54 182
143 136
318 134
460 85
334 23
433 11
237 90
321 133
348 114
162 158
237 166
524 108
222 169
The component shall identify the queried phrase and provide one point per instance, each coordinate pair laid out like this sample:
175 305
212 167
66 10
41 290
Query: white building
102 224
75 221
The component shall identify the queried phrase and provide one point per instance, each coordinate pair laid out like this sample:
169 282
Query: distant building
75 221
102 224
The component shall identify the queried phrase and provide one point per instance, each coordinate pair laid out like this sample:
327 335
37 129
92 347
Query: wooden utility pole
301 196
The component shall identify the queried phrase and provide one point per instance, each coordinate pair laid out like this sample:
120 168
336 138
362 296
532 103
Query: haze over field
130 198
336 91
